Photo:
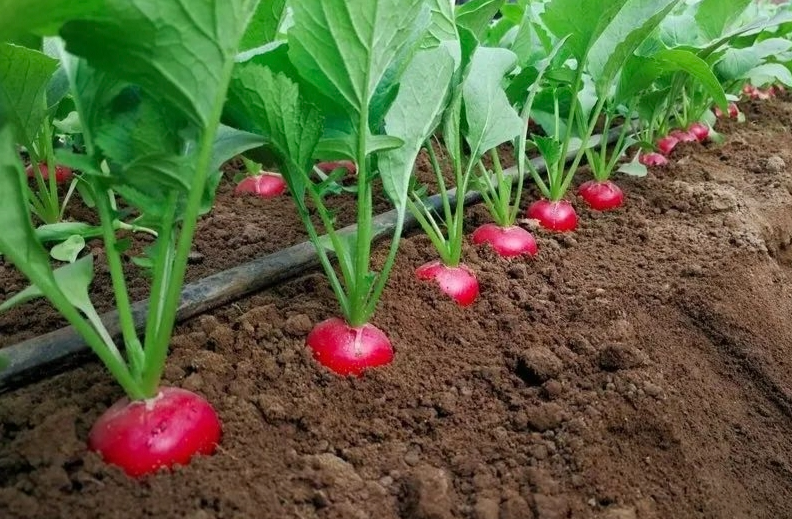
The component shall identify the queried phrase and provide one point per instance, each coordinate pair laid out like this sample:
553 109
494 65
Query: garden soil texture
640 367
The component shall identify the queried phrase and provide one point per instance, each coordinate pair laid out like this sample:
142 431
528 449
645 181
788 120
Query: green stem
429 226
157 351
387 266
583 145
441 185
456 228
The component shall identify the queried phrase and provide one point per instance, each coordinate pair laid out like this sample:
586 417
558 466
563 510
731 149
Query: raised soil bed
639 367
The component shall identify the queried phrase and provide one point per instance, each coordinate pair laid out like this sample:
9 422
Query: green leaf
633 168
675 59
24 77
413 117
442 27
735 63
269 105
350 68
175 50
42 17
56 232
230 142
582 20
263 27
476 16
715 16
630 27
377 143
491 119
549 148
68 250
769 73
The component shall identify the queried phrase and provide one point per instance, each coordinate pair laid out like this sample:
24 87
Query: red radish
459 282
683 136
506 241
328 167
555 216
763 95
733 110
349 350
265 185
667 144
601 196
62 173
653 159
718 112
750 91
699 130
144 436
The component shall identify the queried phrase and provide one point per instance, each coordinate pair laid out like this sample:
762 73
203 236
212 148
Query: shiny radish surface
144 436
349 350
459 282
265 185
557 216
506 241
601 196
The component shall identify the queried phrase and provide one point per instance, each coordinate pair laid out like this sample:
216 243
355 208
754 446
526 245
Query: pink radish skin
700 131
557 216
667 144
683 136
653 159
62 173
328 167
506 241
144 436
733 110
459 282
265 185
601 196
348 350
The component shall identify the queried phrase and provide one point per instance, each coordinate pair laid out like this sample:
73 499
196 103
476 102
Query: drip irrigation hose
62 349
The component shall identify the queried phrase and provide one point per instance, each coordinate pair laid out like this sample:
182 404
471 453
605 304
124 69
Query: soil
637 368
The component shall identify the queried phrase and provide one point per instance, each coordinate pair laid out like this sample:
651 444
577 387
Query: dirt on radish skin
458 282
506 241
557 216
347 350
145 436
264 185
601 196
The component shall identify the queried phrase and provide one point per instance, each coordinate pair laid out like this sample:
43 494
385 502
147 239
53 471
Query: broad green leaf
24 77
269 105
681 30
491 119
413 117
350 67
68 250
175 50
379 143
230 142
476 16
769 73
263 27
442 27
631 26
18 241
675 59
582 20
735 63
715 16
43 17
633 168
60 231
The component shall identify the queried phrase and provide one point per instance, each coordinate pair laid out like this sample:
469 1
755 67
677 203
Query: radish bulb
507 241
653 159
700 131
555 216
62 173
143 436
458 282
601 196
264 185
348 350
683 136
667 144
330 166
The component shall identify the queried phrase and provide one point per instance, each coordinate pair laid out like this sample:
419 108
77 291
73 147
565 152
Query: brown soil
637 368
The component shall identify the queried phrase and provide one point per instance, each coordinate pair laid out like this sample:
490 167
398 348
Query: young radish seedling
334 97
152 136
479 112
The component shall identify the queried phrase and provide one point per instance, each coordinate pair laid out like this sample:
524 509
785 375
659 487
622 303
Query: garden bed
638 367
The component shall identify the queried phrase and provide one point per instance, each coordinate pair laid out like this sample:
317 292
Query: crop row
135 106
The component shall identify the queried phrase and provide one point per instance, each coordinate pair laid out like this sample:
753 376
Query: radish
653 159
699 130
458 282
683 136
601 196
555 216
62 173
330 166
143 436
506 241
667 144
349 350
264 185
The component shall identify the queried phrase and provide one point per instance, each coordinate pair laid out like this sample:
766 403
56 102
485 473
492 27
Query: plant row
134 106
